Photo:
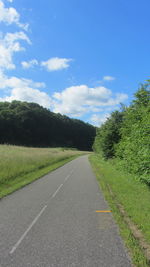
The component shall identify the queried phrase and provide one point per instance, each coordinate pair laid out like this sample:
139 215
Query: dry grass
16 162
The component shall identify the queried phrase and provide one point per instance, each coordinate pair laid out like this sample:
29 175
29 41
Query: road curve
53 222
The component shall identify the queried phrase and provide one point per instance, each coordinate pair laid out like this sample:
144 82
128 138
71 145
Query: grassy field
21 165
133 196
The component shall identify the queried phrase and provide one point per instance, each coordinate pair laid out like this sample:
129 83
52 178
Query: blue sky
76 57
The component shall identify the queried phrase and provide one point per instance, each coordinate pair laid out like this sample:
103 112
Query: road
53 222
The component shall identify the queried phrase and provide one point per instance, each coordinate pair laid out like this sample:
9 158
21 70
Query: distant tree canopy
29 124
126 135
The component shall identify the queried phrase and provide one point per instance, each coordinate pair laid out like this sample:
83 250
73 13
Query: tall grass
16 162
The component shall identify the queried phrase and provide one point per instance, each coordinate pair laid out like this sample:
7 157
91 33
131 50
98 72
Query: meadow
22 165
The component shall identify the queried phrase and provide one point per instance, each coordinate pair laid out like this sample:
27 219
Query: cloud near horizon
24 90
78 100
73 101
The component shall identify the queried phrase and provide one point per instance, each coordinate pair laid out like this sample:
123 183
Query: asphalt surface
53 222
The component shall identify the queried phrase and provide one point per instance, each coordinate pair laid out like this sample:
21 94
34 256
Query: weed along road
60 220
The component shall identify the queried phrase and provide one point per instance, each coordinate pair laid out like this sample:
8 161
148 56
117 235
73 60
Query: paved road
53 222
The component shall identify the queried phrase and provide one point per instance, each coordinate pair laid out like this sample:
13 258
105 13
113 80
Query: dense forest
29 124
125 136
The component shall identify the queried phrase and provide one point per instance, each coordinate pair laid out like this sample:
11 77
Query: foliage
29 124
134 147
108 135
128 137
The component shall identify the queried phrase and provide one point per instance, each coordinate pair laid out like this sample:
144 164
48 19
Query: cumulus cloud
10 16
14 82
29 64
24 90
30 95
108 78
56 63
77 100
17 88
74 100
9 45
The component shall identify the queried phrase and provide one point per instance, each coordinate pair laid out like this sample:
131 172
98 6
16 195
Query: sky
75 57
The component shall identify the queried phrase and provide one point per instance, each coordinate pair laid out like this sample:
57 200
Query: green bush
126 135
108 135
134 147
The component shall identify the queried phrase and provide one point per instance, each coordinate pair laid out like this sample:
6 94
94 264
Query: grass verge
133 196
20 166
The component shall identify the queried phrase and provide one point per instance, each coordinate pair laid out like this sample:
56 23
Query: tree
29 124
108 135
134 147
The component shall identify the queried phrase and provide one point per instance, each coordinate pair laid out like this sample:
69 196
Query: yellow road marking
103 211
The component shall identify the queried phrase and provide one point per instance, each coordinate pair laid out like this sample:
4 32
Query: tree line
29 124
125 136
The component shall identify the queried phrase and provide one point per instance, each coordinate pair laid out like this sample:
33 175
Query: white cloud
24 90
52 64
10 16
109 78
98 119
10 38
8 46
77 100
74 101
30 95
29 64
56 63
14 82
17 88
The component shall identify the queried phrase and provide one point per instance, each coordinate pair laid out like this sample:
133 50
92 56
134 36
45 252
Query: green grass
21 165
134 197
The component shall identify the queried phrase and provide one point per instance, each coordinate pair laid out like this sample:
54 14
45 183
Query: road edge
131 243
